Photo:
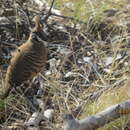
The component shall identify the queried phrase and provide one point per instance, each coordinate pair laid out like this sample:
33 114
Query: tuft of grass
84 9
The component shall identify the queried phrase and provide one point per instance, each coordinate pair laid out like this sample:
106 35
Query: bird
27 61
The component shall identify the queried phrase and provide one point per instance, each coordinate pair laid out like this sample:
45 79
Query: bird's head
38 26
37 33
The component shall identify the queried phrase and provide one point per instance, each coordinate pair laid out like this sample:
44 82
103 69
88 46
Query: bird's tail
4 92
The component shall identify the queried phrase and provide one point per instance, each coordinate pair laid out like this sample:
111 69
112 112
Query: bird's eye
32 24
34 36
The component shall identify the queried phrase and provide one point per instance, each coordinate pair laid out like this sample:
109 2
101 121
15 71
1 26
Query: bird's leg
29 101
25 91
40 91
29 95
18 89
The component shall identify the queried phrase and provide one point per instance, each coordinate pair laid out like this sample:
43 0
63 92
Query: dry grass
65 95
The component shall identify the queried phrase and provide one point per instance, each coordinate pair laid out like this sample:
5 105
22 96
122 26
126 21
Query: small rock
47 73
49 114
107 71
69 74
87 59
64 51
108 60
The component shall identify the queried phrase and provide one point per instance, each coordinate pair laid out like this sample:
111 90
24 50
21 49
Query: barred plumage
28 60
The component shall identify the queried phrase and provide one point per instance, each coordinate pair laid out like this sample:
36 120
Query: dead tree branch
100 119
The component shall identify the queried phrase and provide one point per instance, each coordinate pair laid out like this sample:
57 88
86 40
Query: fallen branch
98 120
